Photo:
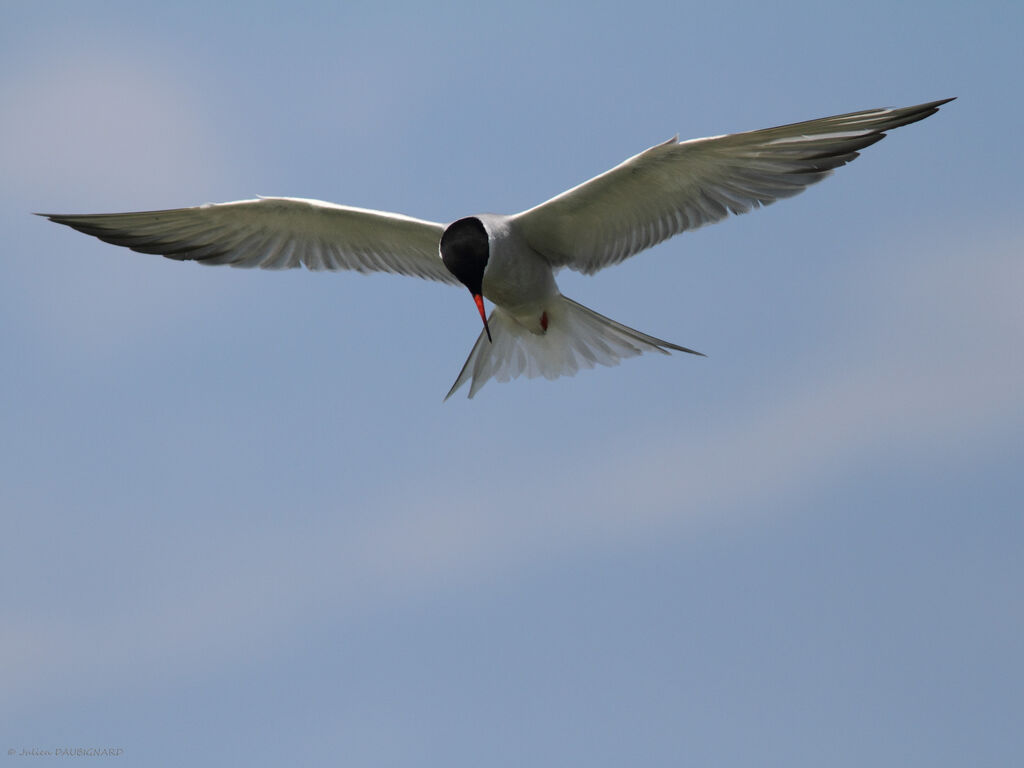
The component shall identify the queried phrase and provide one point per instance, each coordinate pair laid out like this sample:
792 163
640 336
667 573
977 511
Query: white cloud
90 129
89 126
933 367
930 368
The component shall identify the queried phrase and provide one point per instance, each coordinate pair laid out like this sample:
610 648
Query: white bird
511 260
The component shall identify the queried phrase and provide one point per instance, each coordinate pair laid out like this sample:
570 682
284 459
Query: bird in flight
533 329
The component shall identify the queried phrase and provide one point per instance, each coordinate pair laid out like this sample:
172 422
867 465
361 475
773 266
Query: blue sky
240 523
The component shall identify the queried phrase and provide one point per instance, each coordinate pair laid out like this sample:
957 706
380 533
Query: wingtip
930 108
57 218
933 106
677 348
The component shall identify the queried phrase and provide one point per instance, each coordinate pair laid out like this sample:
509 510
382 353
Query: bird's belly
523 289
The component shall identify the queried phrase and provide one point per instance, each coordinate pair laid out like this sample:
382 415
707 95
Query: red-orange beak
483 315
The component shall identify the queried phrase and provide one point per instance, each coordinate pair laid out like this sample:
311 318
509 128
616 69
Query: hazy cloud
913 395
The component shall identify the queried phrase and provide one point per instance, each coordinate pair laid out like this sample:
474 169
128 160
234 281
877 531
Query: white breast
517 278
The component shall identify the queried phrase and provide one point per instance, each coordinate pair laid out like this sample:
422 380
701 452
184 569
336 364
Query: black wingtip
933 106
66 219
677 348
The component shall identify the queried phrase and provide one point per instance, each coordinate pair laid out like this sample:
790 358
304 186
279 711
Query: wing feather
678 186
276 233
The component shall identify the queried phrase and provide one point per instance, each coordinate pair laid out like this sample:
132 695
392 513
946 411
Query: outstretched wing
277 233
677 186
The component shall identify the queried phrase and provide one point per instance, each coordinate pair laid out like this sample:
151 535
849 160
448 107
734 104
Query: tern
533 330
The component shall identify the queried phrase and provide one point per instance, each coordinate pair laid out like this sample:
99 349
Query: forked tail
576 338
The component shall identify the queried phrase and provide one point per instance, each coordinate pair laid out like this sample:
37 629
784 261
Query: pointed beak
483 315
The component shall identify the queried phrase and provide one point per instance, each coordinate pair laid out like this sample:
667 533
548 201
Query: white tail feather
576 338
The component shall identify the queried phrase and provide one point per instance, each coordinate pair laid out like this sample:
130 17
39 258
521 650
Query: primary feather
276 233
677 186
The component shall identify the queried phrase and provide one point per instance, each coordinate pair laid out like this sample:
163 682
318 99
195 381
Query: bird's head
464 250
